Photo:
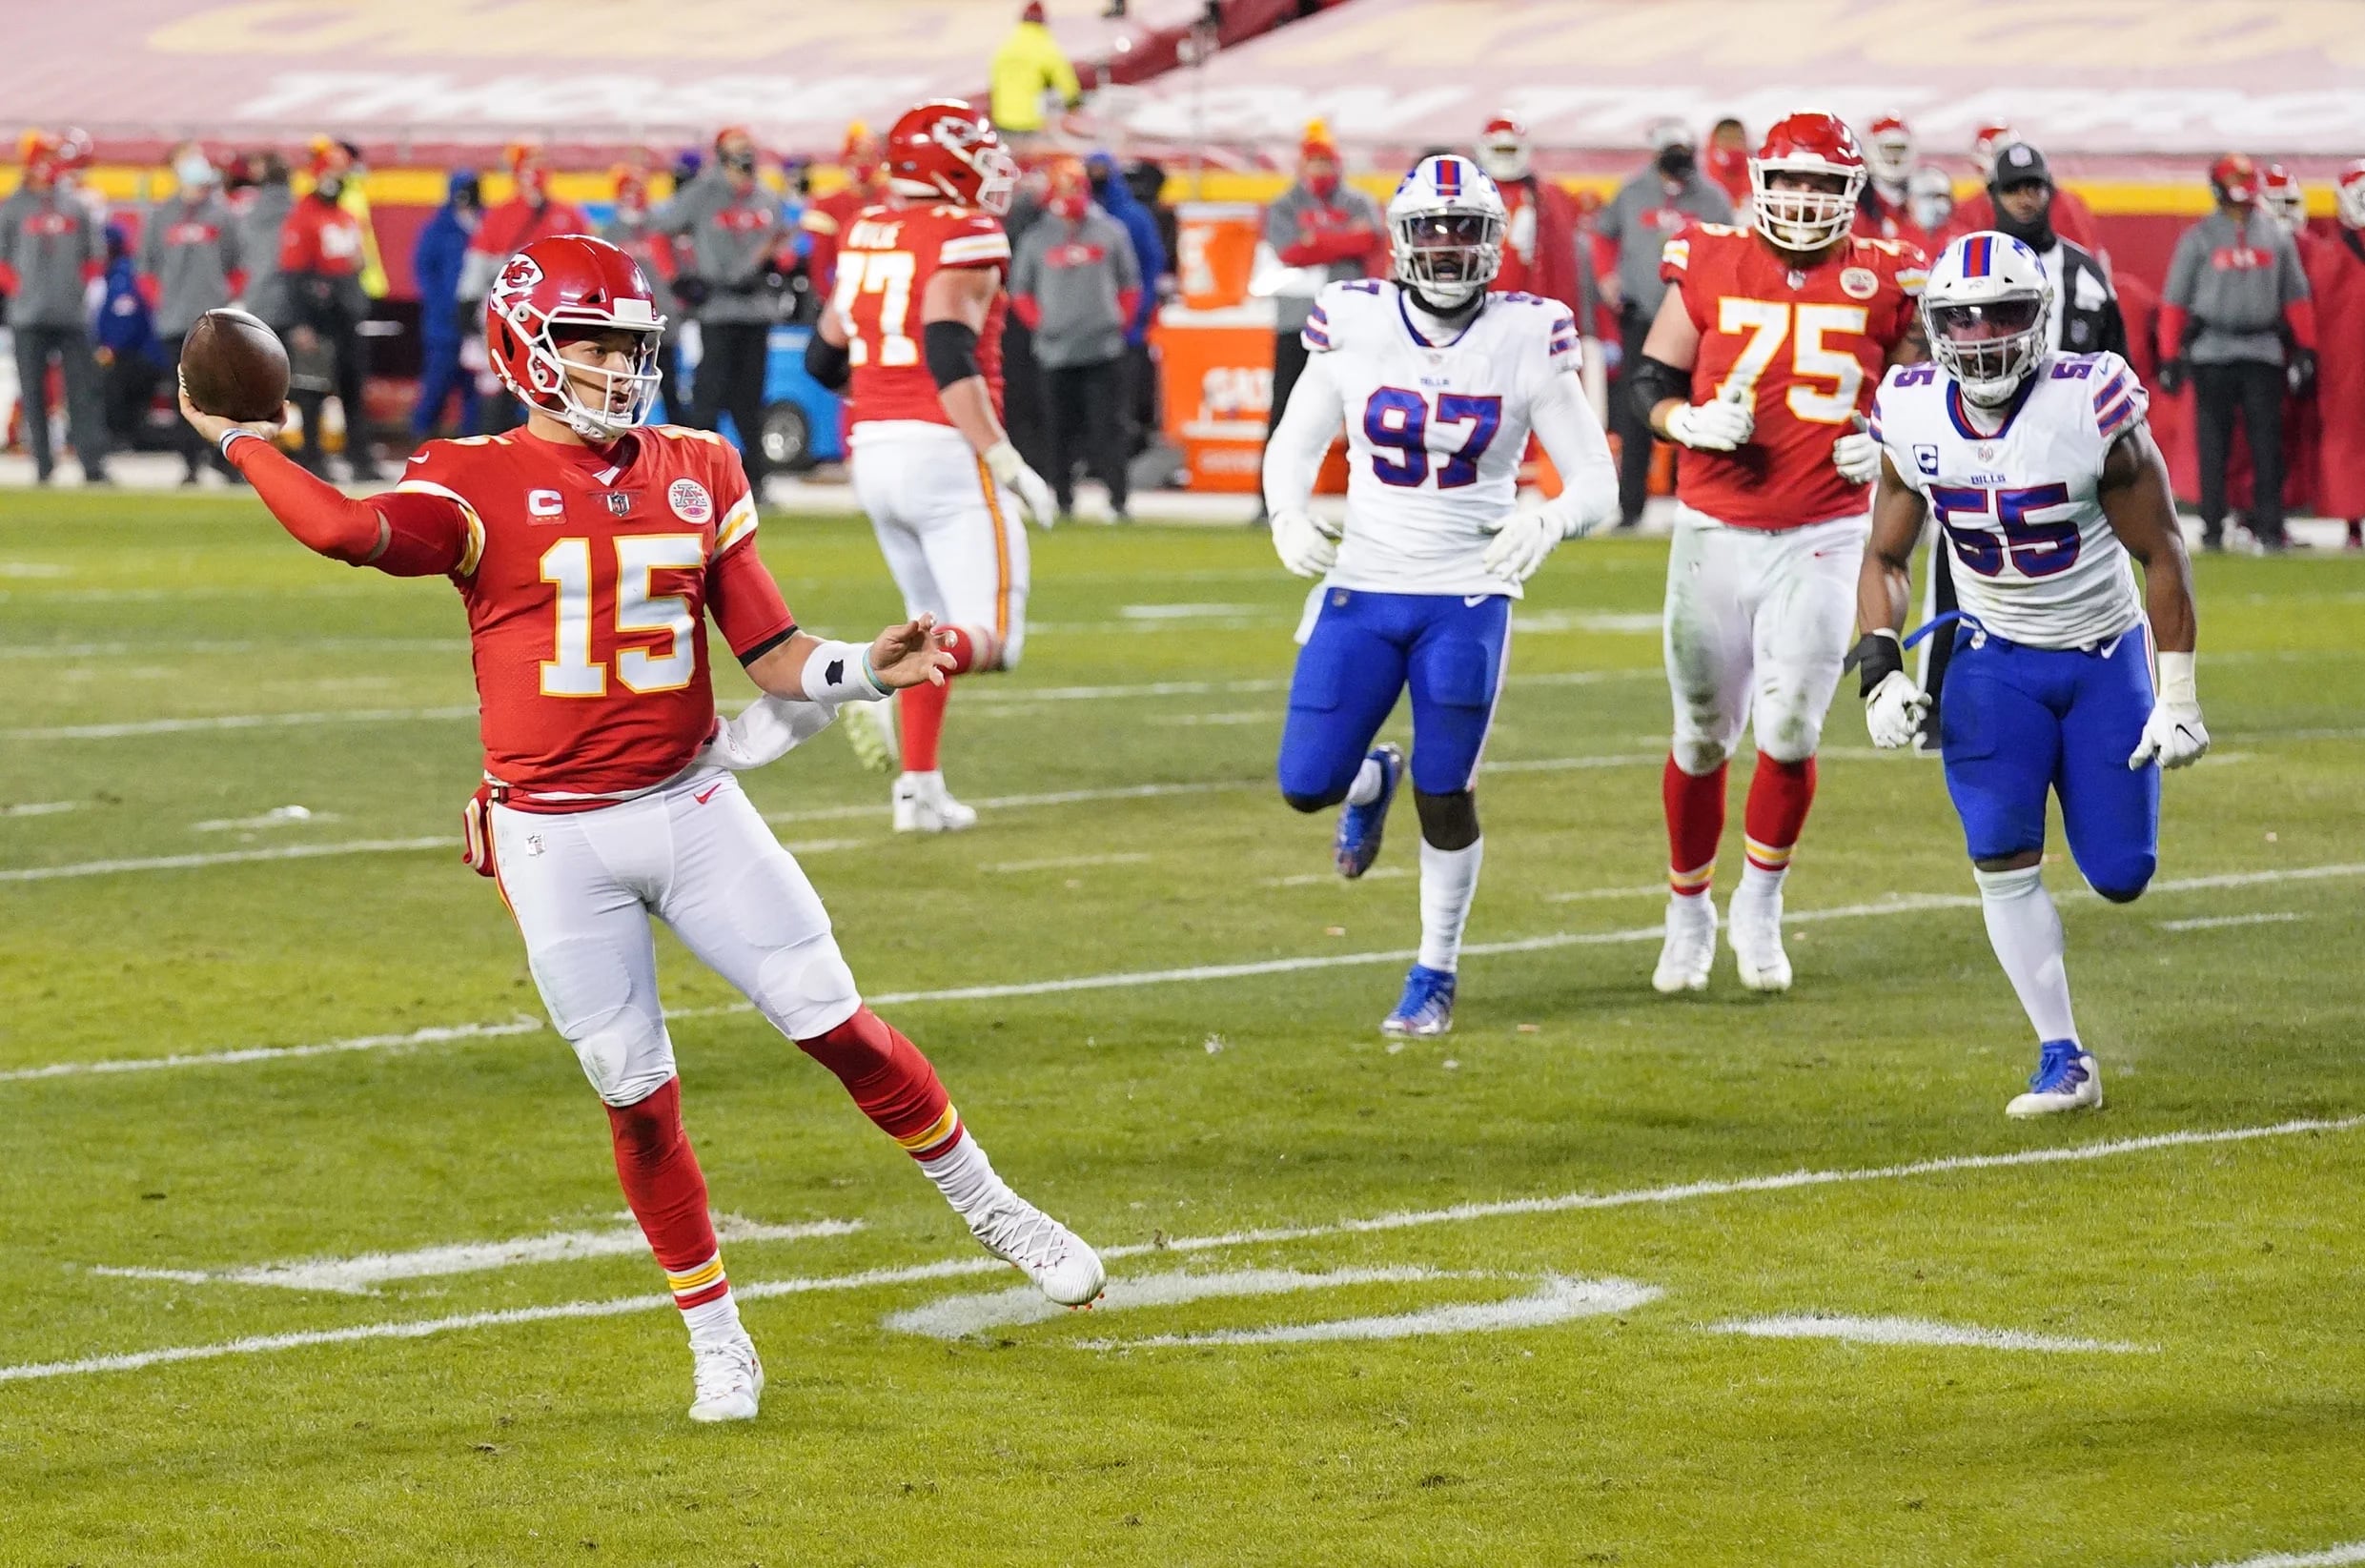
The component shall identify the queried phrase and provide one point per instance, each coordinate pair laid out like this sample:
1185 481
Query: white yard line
360 1275
438 1035
1589 894
955 1268
41 809
2212 922
225 856
1316 879
1916 1331
237 720
1062 862
1556 1300
1896 905
958 1316
2332 1556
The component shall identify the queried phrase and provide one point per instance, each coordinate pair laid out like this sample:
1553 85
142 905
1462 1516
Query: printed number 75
1397 421
1768 324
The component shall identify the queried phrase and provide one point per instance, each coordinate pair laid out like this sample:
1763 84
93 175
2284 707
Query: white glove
767 729
1521 541
1719 426
1010 471
1857 456
1893 712
2173 733
1306 545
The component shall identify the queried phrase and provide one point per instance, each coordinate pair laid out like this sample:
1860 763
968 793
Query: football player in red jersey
590 550
932 464
1763 360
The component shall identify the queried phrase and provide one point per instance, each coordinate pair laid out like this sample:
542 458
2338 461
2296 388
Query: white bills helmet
1984 308
1446 220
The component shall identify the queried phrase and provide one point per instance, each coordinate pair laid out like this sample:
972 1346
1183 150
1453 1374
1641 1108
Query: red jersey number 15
640 609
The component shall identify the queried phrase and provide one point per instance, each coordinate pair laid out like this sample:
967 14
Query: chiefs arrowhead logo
521 273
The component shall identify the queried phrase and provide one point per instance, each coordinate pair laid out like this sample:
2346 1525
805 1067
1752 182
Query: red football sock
891 1081
921 717
1694 822
1779 796
667 1194
968 644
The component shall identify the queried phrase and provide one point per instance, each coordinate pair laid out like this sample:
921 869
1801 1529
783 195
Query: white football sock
714 1322
1449 878
1759 882
2026 930
965 1177
1368 780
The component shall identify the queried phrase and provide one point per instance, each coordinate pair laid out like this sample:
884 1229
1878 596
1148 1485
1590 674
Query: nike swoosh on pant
706 794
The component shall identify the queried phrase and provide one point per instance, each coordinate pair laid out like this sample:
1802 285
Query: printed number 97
1397 421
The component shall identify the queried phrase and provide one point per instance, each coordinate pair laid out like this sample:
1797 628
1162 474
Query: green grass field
2173 1376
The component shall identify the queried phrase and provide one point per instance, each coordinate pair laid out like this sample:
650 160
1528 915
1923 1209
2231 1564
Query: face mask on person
738 163
1677 163
1322 182
1070 206
2035 233
192 172
329 187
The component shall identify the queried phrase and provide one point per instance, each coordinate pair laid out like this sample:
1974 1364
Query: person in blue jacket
1116 198
124 338
436 263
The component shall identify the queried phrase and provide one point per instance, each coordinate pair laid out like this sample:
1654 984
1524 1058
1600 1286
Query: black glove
2300 371
691 289
2173 375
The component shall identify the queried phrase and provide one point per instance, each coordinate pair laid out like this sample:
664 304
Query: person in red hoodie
530 214
826 218
322 249
2336 273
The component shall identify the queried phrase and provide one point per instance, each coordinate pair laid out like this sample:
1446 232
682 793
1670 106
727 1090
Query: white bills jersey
1435 430
2035 560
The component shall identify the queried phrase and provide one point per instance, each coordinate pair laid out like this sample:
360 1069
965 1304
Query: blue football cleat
1360 827
2066 1079
1425 1008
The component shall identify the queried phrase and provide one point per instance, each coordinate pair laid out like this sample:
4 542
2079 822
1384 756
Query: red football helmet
2285 201
571 286
1888 148
1799 217
2234 178
1990 136
2349 194
946 149
1503 150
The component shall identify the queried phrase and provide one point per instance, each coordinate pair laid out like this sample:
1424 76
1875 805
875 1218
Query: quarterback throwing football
1438 383
2044 478
1761 361
589 551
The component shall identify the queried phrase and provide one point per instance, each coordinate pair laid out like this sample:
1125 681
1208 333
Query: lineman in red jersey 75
1761 360
588 554
932 465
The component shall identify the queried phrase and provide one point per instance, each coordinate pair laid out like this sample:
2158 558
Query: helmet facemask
1448 258
1989 346
1803 219
623 398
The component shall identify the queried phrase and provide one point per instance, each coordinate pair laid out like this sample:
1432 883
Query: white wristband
839 672
2176 679
233 434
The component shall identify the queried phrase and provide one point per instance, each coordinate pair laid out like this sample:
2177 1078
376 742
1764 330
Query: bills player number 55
639 609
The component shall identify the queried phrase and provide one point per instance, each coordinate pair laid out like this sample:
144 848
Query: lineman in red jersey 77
1761 360
932 465
589 552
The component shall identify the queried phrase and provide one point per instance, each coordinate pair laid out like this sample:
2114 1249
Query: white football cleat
1054 1256
870 730
2066 1079
1753 929
923 806
730 1380
1690 950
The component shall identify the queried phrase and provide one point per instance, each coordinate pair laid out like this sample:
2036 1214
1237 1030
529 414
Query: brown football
235 367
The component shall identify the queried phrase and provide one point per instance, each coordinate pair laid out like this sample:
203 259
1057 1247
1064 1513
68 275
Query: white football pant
696 855
954 540
1757 628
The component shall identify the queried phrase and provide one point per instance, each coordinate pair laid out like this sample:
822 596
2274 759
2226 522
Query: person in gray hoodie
49 242
733 224
1075 283
189 245
259 203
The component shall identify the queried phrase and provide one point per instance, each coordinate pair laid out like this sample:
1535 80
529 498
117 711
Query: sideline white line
224 857
954 1268
358 1275
41 809
1917 1331
236 720
2332 1556
958 1316
1899 903
1558 1300
2212 922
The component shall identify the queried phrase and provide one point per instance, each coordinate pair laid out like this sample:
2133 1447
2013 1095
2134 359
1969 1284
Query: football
235 366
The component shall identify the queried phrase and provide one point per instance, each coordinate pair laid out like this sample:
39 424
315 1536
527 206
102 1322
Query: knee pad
619 1037
1787 729
806 989
2122 881
1697 754
1448 822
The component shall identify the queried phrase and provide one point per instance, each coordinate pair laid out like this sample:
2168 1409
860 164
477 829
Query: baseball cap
2018 163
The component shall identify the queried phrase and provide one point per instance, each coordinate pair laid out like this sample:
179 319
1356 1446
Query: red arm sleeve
402 533
2173 319
295 244
1331 245
2300 316
1128 301
747 603
1028 309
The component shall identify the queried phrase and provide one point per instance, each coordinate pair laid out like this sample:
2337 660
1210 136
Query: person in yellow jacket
1028 63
